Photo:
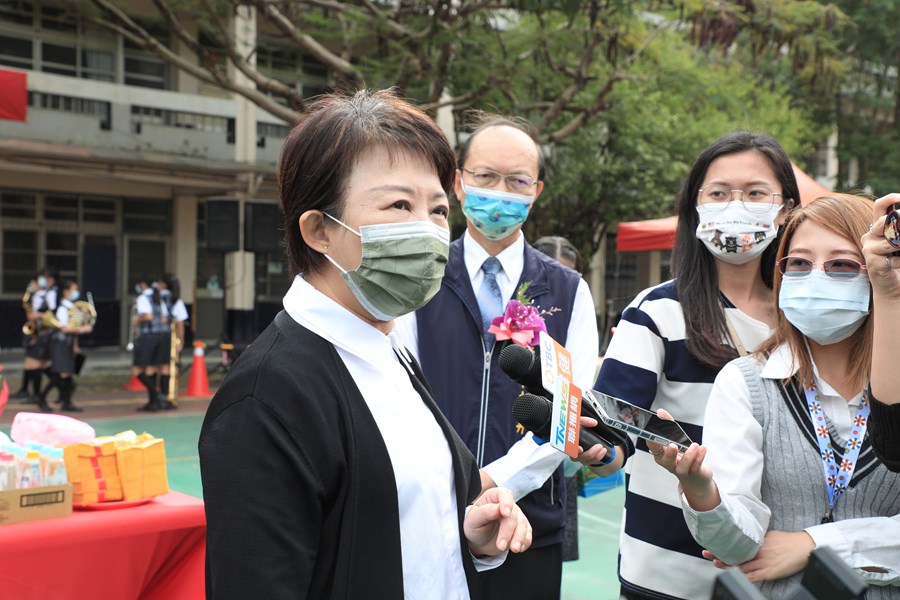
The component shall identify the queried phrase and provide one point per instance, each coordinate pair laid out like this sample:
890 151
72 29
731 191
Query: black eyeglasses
839 268
488 178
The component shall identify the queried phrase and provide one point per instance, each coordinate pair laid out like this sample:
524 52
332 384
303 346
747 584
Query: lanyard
837 477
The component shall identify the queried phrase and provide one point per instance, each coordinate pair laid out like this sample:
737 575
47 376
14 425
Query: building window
209 264
62 253
61 208
98 211
272 280
20 258
17 205
16 12
147 216
16 52
144 69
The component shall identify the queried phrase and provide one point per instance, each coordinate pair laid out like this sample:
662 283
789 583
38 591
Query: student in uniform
37 346
64 347
151 346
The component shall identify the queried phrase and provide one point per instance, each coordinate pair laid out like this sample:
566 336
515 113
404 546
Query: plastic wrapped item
50 429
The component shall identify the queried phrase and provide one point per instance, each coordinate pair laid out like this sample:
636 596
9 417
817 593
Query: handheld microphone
534 413
524 367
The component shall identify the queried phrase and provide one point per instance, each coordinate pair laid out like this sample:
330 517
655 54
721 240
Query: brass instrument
48 321
30 327
172 392
82 313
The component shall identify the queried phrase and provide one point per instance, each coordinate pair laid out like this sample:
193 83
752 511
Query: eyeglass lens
487 178
795 266
756 199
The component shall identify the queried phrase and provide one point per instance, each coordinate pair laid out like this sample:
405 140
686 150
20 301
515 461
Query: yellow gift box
125 466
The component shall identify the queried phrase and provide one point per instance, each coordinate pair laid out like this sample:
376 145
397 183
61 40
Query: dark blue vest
453 359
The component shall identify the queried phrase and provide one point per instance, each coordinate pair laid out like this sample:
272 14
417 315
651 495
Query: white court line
586 515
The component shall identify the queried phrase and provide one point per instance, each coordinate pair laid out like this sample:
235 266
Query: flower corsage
522 321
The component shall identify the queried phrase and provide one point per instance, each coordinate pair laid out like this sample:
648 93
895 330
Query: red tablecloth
150 552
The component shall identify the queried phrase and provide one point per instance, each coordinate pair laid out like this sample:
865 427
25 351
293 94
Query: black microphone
534 413
524 367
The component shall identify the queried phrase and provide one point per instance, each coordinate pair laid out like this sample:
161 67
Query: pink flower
521 323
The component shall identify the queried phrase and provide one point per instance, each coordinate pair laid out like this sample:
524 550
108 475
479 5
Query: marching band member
151 347
64 346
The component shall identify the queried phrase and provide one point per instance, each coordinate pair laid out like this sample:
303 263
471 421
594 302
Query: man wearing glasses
497 183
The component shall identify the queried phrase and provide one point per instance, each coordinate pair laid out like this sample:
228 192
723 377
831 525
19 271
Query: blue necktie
490 301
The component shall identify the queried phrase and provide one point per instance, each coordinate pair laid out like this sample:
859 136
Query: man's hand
593 456
495 523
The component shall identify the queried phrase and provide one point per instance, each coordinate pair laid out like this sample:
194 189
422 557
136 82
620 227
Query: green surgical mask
402 266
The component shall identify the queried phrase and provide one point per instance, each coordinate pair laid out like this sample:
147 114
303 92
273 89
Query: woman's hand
695 477
496 523
882 268
781 555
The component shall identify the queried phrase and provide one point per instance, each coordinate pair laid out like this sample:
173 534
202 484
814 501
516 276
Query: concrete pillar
240 279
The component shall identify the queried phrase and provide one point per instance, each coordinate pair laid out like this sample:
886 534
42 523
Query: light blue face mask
825 309
42 281
74 296
495 214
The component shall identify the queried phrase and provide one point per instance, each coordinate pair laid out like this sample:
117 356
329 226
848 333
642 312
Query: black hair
694 267
148 280
319 154
557 247
172 285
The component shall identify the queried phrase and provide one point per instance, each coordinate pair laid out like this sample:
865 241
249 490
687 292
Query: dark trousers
536 574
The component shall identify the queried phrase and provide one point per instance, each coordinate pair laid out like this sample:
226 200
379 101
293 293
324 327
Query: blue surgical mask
74 296
42 281
137 289
825 309
495 214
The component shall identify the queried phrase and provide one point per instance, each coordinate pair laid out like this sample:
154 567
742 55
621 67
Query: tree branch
140 37
317 50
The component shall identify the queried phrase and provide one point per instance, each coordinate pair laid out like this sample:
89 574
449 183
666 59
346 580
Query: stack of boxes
125 466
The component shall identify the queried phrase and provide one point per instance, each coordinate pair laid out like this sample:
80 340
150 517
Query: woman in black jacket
328 471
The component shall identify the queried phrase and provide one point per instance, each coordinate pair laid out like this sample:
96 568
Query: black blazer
298 484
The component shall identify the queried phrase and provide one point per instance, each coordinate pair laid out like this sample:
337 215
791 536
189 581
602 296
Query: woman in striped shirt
674 338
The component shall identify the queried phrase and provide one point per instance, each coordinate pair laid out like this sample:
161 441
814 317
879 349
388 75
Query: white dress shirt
145 304
420 454
734 438
527 465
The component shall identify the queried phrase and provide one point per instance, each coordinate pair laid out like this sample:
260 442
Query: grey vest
793 482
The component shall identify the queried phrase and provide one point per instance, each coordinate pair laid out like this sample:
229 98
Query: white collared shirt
735 441
420 454
62 311
526 465
145 304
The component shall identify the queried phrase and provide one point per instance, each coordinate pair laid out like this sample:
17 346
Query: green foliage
630 163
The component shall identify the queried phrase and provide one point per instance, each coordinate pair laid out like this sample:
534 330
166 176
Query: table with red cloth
154 551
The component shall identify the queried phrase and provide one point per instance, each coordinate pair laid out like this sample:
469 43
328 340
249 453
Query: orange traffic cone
198 384
135 385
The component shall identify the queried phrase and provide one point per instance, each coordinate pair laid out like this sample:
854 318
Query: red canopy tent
659 234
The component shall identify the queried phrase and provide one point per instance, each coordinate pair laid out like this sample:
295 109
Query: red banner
13 95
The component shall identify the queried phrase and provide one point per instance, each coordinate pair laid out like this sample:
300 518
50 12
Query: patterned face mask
495 214
402 266
733 233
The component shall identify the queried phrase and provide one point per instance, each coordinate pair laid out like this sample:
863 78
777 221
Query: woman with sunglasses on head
786 427
884 271
674 338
